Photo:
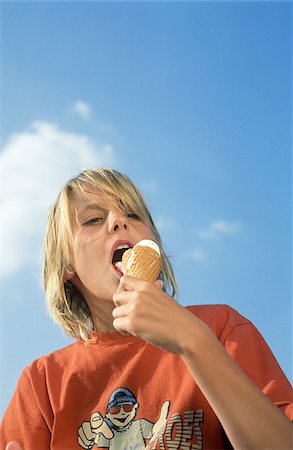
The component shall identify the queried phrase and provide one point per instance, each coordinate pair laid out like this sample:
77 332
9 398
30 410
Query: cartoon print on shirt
118 429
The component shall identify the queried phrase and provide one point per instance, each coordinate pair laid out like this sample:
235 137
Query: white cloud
215 230
82 108
149 186
219 228
34 165
198 255
164 223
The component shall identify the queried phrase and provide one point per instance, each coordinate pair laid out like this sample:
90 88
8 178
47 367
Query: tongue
119 266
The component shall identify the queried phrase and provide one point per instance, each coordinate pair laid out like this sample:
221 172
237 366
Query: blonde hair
66 303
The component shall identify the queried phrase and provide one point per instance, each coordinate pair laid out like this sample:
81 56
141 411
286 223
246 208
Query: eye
133 216
93 220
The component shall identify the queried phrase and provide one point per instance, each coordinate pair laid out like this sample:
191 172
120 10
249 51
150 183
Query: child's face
123 414
100 228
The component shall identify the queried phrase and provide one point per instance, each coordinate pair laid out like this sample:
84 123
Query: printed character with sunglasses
118 429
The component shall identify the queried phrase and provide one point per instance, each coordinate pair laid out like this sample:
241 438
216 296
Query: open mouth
122 419
117 257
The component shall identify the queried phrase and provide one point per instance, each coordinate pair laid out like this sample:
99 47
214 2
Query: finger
165 410
159 284
106 431
121 324
125 284
13 446
96 421
121 311
122 297
83 444
86 431
128 283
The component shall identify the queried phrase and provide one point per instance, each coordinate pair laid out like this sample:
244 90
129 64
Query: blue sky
193 101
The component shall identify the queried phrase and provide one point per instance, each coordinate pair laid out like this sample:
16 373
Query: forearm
250 420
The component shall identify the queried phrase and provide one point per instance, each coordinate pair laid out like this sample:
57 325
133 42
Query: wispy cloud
164 223
150 186
82 108
219 228
215 230
198 255
85 111
34 164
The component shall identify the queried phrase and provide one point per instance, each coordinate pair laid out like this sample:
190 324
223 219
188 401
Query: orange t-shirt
116 392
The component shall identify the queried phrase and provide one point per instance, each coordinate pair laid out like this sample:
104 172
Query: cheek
86 246
114 419
145 231
132 415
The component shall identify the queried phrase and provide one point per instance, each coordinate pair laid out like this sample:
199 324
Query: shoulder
52 362
220 318
218 312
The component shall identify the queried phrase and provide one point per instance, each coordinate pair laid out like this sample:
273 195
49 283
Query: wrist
194 337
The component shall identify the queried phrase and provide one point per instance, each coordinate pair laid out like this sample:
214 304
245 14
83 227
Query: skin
128 305
96 231
249 418
126 417
13 446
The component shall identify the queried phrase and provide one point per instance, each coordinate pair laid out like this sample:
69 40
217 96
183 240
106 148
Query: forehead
90 198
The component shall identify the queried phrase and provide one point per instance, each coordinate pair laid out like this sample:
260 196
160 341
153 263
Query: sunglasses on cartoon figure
126 407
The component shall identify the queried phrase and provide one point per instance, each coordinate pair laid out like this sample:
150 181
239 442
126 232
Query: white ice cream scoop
148 243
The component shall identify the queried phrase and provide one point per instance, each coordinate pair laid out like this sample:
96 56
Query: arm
24 422
13 446
249 418
89 432
160 425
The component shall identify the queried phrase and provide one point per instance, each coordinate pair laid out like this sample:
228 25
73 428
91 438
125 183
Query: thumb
165 410
96 421
159 284
13 446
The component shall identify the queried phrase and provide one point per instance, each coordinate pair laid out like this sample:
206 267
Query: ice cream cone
142 262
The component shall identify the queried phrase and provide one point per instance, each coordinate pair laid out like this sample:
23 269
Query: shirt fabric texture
59 393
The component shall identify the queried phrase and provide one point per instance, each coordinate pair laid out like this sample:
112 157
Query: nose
117 222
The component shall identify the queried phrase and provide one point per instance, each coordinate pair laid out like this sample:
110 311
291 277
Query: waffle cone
142 262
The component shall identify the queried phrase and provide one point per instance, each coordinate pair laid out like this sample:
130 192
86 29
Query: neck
102 316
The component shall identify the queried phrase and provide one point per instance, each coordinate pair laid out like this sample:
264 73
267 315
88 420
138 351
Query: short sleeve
248 348
23 420
147 428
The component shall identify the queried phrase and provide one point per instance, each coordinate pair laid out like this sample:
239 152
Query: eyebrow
89 207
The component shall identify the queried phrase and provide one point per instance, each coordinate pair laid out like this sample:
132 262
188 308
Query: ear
69 274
